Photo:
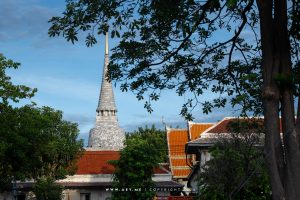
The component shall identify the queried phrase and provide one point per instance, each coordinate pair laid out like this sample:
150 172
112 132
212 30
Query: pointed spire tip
106 43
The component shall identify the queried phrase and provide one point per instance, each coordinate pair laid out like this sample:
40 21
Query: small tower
107 134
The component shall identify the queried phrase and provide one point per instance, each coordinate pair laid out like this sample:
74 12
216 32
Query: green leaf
231 3
117 34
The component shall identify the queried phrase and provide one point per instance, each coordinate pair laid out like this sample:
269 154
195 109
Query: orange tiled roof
178 162
177 138
181 173
176 147
95 162
196 129
176 141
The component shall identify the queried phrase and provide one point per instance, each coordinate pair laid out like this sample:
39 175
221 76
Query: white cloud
23 19
60 86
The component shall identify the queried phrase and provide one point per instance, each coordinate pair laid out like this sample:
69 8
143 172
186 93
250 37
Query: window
85 196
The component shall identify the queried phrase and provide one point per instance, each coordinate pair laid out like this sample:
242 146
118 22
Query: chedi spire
106 134
106 99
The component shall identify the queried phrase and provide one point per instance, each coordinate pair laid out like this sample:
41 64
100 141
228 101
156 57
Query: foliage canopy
186 45
35 143
153 136
136 165
47 189
9 91
237 169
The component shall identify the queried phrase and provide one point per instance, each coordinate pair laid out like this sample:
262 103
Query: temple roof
223 129
177 138
195 129
97 162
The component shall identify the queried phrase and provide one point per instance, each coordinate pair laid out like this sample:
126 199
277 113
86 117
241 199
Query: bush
47 189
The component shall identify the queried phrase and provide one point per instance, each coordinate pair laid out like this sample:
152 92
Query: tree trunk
292 152
270 95
284 163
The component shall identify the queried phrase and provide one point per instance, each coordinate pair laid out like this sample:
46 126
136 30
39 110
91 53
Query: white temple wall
80 194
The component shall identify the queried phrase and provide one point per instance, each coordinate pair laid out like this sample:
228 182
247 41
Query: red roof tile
96 162
162 169
224 125
221 127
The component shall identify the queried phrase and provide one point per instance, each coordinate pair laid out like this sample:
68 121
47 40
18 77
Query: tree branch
204 9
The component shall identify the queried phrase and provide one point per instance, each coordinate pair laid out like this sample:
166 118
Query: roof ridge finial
106 44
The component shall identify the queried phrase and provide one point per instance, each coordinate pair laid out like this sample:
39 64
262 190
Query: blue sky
68 76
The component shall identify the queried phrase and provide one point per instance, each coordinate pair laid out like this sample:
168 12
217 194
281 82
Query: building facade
200 146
